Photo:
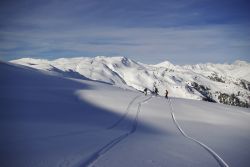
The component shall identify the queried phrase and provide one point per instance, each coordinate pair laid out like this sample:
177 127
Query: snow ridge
221 162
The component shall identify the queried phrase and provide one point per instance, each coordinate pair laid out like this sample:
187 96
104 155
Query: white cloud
180 45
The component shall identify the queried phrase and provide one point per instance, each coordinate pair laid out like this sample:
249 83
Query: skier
166 94
156 90
145 91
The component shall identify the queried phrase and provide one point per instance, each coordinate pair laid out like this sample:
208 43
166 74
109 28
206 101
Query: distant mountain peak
241 63
165 64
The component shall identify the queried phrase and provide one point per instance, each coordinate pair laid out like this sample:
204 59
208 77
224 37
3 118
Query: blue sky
149 31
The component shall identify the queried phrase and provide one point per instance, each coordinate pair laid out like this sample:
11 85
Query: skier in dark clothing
156 90
145 91
166 94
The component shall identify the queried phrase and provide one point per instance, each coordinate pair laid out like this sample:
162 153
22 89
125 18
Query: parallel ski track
95 156
125 114
220 161
87 131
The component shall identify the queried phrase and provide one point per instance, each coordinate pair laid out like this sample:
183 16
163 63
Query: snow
52 120
126 73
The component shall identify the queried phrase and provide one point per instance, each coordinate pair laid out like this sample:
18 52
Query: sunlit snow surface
49 120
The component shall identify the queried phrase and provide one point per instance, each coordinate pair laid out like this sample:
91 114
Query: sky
149 31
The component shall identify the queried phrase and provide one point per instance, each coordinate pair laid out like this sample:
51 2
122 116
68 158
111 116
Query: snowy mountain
48 121
222 83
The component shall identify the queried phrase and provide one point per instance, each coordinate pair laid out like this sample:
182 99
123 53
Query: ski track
125 114
113 142
220 161
83 131
98 154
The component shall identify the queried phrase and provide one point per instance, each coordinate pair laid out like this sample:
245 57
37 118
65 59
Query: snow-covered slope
223 83
48 120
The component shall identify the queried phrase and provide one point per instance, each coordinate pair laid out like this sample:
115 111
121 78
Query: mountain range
221 83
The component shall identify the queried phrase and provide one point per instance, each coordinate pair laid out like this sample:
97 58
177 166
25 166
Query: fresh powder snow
56 117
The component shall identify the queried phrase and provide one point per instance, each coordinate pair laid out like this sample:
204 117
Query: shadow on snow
46 103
